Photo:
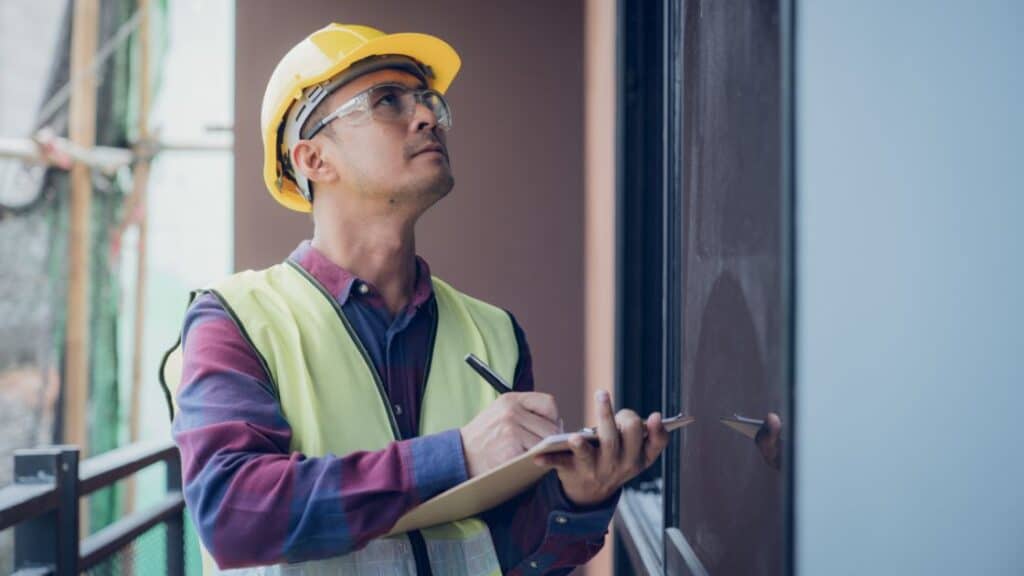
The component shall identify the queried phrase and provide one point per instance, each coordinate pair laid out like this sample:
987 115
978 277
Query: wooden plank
58 152
82 129
139 192
83 133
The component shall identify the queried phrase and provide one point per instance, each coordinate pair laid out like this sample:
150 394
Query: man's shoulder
480 306
443 289
247 277
208 302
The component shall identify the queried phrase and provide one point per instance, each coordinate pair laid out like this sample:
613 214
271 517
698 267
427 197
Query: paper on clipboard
498 485
745 426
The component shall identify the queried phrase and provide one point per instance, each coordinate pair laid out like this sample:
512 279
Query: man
322 398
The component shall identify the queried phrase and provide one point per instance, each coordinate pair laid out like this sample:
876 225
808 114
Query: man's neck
382 253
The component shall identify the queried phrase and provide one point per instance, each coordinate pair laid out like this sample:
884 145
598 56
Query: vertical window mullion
640 157
672 47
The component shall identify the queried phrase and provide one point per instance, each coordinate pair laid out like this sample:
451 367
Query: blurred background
717 207
77 309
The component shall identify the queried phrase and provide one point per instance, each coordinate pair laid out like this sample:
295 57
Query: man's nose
423 117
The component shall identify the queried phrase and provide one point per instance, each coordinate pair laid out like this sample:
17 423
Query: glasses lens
439 106
391 102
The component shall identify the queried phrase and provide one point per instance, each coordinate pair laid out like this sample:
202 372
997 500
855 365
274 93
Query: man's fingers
631 455
607 433
657 439
582 457
540 404
583 452
537 426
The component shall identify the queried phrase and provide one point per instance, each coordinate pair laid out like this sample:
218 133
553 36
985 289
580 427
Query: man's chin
440 185
431 189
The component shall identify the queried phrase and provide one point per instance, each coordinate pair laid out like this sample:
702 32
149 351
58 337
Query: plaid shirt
254 501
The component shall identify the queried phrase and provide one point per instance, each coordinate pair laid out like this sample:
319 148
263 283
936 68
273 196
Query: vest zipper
426 370
419 545
376 376
359 345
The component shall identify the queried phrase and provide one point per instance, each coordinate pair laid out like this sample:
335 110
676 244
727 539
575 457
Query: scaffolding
69 190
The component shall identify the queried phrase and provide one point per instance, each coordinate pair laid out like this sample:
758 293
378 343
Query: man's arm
253 500
541 531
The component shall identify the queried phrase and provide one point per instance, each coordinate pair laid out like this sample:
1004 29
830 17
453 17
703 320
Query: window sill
638 524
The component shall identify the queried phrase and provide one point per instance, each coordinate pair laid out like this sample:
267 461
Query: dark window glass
733 334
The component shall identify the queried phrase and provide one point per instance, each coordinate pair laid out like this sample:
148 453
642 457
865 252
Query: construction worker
322 398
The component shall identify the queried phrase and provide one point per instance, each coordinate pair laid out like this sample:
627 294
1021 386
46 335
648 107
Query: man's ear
308 158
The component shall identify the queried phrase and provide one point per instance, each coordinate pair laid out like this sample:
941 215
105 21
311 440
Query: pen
485 372
492 378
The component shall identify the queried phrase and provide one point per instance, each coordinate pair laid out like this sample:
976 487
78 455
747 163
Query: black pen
485 372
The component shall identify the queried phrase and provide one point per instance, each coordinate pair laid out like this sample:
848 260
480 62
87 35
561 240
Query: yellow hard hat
314 63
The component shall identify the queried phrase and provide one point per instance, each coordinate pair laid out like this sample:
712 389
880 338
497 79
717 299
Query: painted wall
910 276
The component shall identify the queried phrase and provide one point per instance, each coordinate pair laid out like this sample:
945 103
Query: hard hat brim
429 50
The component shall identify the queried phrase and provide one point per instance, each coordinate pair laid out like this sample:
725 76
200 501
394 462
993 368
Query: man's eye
390 100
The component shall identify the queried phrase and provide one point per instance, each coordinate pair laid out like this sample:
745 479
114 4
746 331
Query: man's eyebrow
418 86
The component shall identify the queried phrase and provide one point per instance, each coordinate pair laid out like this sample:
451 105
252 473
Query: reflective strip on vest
393 557
472 557
335 403
379 557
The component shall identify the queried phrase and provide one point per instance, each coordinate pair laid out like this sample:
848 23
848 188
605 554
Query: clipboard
490 489
745 426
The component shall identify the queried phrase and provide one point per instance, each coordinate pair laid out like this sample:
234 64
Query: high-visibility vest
335 403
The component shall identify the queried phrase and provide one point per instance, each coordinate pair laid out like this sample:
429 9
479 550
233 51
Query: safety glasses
391 102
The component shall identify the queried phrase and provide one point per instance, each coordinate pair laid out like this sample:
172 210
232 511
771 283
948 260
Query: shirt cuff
573 534
437 463
567 518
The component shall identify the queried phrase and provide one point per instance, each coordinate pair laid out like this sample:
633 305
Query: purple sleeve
253 499
541 531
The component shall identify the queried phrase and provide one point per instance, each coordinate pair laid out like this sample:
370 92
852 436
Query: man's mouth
432 148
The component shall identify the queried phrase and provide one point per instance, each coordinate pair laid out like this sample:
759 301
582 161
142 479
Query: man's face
387 159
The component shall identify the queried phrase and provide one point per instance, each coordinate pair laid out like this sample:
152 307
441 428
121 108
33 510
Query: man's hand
511 425
769 440
591 474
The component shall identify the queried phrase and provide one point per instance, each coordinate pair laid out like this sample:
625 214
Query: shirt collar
341 283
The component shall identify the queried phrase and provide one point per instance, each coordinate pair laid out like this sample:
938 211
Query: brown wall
511 232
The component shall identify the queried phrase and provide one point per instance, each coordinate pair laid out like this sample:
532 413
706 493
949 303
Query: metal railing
43 507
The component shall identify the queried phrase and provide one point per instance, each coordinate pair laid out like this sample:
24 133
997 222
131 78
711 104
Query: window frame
640 243
648 312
